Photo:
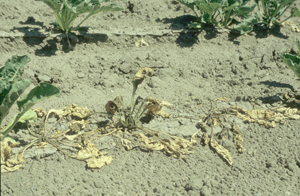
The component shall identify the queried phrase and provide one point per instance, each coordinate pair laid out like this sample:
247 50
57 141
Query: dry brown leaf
204 139
93 157
223 152
97 163
221 99
141 74
39 112
126 143
113 106
295 28
269 117
193 138
87 152
149 143
76 126
154 106
71 110
12 164
5 151
238 140
141 42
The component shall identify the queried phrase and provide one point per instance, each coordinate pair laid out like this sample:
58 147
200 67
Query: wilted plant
66 11
11 88
292 61
128 117
272 10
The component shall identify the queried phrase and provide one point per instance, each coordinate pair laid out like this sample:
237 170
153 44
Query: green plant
12 86
66 11
292 61
272 10
218 12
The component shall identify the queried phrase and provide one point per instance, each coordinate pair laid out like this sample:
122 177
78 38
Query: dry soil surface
191 70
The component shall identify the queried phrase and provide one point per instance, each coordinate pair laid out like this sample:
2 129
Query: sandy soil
189 69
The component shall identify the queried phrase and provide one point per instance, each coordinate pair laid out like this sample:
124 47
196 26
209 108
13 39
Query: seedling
292 61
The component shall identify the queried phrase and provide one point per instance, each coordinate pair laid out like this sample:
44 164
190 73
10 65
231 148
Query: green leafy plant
272 10
11 88
219 13
66 11
292 61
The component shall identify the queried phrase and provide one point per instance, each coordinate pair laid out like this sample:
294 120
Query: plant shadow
52 40
260 33
277 84
188 37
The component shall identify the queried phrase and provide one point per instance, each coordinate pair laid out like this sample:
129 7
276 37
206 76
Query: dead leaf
238 140
12 164
39 112
71 110
113 106
204 139
141 42
97 163
268 117
76 126
87 152
126 143
294 27
149 143
141 74
5 151
223 152
154 106
93 157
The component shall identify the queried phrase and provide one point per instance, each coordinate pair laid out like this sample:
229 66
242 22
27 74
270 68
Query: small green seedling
272 10
66 11
11 88
292 61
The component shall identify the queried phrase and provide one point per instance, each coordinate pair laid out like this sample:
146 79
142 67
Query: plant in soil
66 11
272 10
12 86
292 60
218 13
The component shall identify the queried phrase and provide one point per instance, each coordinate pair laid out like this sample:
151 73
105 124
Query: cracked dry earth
190 71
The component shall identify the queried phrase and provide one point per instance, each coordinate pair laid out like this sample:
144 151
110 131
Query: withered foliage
268 117
76 141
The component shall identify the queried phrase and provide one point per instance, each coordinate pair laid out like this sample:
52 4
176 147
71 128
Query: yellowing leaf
141 42
141 74
223 152
97 163
154 106
238 140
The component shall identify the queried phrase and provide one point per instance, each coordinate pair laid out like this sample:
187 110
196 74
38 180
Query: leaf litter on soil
130 134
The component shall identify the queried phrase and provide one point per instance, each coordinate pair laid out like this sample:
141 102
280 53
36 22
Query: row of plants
238 15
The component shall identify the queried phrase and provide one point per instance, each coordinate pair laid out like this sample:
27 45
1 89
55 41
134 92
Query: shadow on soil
188 37
52 40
